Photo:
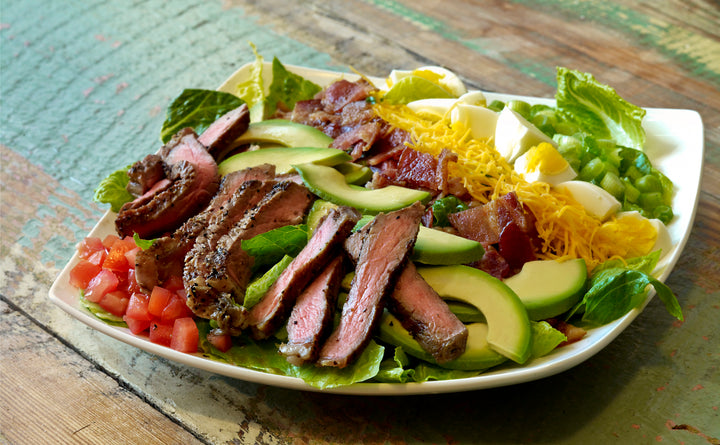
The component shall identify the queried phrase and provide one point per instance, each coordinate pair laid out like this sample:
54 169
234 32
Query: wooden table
84 85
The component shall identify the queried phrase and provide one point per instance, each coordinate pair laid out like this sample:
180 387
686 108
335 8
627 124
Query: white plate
675 146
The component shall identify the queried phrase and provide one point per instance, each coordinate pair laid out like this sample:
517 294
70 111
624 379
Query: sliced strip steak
272 311
193 180
166 257
220 136
420 309
388 240
225 272
312 317
427 317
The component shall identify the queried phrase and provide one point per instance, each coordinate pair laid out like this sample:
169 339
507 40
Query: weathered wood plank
50 394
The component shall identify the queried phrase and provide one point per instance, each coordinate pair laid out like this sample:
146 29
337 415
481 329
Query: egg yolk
546 159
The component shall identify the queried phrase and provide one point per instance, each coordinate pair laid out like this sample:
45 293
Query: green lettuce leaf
263 356
197 109
545 338
143 244
112 190
286 89
252 90
258 287
616 288
598 109
268 248
413 88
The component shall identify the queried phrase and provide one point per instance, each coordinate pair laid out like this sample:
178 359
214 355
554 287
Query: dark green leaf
197 109
269 248
286 89
445 206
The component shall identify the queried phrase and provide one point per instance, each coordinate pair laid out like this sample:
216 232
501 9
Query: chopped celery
496 105
650 201
613 185
519 106
592 170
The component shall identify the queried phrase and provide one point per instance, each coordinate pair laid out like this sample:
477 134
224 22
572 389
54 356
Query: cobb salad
588 230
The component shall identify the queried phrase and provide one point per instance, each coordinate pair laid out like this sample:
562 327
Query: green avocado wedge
549 288
509 330
478 354
283 158
329 184
441 248
284 132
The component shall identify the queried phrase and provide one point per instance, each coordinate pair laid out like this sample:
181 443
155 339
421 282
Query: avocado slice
439 248
509 331
355 173
283 158
284 132
549 288
329 184
478 354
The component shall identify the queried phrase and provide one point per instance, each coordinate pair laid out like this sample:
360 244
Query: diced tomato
115 302
159 299
173 283
82 273
131 283
136 326
116 259
110 240
102 283
185 335
130 256
138 307
98 258
89 246
161 333
176 308
222 342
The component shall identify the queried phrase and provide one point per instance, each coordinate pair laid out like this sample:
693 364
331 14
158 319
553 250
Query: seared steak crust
427 317
312 316
144 174
269 314
389 239
193 180
225 272
166 256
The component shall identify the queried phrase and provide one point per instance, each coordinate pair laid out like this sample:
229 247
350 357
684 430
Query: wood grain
50 394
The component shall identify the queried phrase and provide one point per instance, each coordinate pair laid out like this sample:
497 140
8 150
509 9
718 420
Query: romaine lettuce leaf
252 90
545 338
263 356
197 109
616 288
413 88
286 89
598 109
257 288
112 190
268 248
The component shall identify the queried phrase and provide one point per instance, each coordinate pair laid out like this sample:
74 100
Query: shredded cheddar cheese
565 228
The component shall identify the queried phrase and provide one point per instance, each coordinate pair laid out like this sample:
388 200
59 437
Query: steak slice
226 270
220 136
427 317
193 180
166 256
388 241
420 310
217 225
269 314
144 174
312 317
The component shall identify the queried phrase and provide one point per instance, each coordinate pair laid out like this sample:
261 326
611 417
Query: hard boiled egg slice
438 108
544 163
662 242
436 74
596 201
480 120
514 135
